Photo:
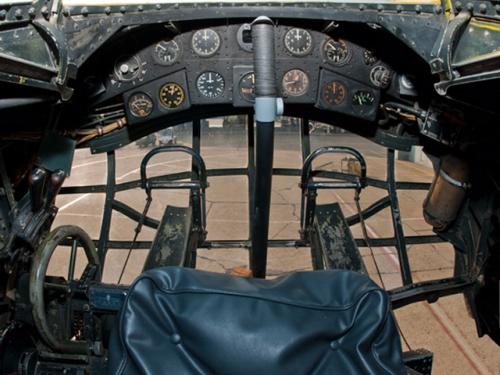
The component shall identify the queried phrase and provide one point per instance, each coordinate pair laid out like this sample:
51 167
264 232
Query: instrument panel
214 66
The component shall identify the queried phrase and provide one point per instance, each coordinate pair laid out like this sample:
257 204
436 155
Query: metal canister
447 192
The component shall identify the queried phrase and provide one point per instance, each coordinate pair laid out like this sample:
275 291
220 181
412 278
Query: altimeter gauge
140 105
334 92
298 41
166 52
172 95
337 52
210 84
295 82
205 42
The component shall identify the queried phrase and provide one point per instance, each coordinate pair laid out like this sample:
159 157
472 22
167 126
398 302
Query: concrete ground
444 327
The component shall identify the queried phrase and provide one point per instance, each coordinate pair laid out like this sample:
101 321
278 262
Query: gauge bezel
345 61
377 83
158 61
200 53
327 83
162 101
217 74
307 84
130 107
294 53
119 75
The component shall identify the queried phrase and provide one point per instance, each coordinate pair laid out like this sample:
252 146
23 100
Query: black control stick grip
263 60
37 188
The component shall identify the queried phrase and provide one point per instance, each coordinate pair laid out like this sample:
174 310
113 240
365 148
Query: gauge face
295 82
381 76
205 42
166 52
369 57
337 52
363 98
247 87
334 92
140 105
171 95
210 84
129 68
298 41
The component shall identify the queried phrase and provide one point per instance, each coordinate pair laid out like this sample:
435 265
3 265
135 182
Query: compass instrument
247 87
337 52
298 42
172 95
334 92
295 82
166 52
205 42
210 84
140 105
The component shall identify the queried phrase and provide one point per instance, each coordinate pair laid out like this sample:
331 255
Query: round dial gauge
166 52
140 105
369 57
363 97
128 68
210 84
334 92
381 76
298 41
295 82
247 87
171 95
205 42
337 52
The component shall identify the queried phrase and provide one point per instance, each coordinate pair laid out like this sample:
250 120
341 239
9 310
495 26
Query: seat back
184 321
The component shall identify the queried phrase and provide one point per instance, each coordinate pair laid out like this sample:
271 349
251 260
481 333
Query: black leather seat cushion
184 321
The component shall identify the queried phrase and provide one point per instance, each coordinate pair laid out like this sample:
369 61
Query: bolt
18 14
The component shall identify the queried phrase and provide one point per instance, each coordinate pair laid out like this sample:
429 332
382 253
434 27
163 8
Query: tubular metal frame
409 293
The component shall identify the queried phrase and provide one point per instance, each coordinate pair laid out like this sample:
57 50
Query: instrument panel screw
123 9
483 8
107 10
85 11
470 7
380 7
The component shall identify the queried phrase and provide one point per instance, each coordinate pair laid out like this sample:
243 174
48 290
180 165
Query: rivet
380 7
140 8
32 12
483 8
438 9
470 7
399 8
497 8
418 9
85 11
458 6
3 14
334 345
18 13
362 7
107 10
158 6
45 11
123 9
175 339
65 12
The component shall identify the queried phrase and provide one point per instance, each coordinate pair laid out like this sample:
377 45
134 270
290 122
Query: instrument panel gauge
172 95
247 87
295 82
205 42
369 57
166 52
140 105
363 98
298 41
210 84
334 92
337 52
129 68
381 76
